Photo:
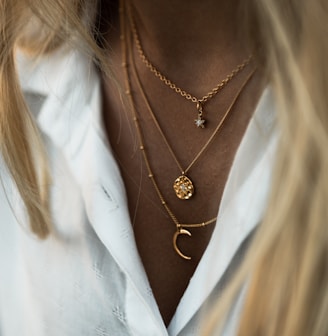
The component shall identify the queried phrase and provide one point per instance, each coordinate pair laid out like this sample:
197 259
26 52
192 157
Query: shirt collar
71 118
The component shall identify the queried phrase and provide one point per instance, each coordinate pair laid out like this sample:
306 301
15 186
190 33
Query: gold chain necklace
200 121
183 185
181 228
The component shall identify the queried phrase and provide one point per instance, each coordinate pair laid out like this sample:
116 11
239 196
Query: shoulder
57 75
62 90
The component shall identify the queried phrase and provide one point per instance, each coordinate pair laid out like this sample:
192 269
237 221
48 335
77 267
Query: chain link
172 85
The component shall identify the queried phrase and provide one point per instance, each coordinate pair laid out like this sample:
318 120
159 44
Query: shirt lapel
70 117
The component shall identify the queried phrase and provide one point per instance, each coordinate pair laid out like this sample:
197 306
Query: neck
174 30
190 37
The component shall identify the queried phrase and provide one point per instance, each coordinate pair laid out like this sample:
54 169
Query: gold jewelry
181 228
200 121
183 185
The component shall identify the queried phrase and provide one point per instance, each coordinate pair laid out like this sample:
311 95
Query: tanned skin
196 44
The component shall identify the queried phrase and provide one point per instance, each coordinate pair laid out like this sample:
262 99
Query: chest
154 225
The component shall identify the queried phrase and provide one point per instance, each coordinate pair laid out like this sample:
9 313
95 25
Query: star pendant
199 122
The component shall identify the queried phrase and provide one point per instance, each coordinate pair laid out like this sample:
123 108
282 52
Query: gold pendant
175 244
183 187
200 122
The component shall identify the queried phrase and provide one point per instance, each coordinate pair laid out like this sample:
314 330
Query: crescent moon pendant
175 238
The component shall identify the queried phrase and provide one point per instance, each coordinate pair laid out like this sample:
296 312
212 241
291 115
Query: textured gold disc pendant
183 187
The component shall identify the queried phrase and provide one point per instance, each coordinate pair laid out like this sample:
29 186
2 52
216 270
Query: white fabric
88 279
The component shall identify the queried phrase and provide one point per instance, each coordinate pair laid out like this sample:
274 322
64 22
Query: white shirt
88 279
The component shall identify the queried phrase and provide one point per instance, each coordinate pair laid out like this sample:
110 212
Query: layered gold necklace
183 184
200 122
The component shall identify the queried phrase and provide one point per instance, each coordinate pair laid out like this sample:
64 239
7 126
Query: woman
182 95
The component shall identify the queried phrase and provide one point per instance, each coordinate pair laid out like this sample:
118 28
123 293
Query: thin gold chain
140 136
172 85
208 142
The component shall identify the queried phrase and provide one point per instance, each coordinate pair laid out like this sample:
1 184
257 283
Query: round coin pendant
183 187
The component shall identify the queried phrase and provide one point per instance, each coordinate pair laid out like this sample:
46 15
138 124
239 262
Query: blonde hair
286 267
37 27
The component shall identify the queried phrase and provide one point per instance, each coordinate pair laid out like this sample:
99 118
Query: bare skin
194 43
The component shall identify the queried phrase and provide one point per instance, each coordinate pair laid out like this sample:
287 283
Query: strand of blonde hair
286 267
